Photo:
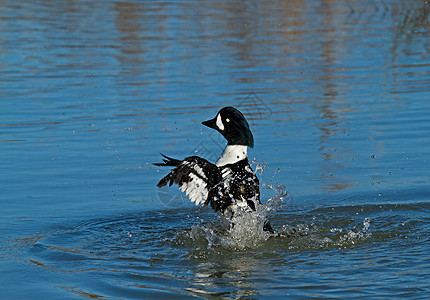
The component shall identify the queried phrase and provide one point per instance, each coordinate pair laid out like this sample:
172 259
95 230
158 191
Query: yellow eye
227 120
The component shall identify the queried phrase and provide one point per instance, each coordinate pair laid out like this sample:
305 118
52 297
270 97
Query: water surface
336 93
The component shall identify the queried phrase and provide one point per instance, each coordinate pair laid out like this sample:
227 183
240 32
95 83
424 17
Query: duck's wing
194 175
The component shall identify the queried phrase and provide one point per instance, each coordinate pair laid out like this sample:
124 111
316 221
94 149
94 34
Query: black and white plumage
229 184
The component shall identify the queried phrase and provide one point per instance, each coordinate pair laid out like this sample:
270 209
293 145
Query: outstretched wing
195 176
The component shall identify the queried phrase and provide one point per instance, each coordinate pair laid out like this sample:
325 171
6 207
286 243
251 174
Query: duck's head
231 123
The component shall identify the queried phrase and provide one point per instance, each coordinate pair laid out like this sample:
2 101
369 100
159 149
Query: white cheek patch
219 122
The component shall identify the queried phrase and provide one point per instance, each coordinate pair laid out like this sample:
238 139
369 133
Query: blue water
337 96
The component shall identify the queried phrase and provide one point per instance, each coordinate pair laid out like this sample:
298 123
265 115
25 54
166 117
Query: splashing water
312 232
247 231
353 236
280 200
321 229
324 235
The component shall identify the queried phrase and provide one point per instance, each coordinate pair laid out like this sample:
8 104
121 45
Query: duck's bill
211 124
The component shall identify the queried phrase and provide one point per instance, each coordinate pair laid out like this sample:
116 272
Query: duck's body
229 184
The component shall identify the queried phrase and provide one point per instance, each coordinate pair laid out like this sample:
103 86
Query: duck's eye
227 120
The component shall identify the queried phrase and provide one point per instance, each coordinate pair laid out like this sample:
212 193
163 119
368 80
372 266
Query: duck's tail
168 162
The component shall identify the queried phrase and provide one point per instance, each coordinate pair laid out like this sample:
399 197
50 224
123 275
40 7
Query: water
337 95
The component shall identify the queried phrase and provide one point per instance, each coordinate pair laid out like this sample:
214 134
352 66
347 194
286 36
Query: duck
229 185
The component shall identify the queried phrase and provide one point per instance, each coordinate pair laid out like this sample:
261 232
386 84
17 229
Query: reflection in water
234 276
132 26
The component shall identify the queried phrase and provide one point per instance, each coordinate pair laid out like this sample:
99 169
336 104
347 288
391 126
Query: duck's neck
232 154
